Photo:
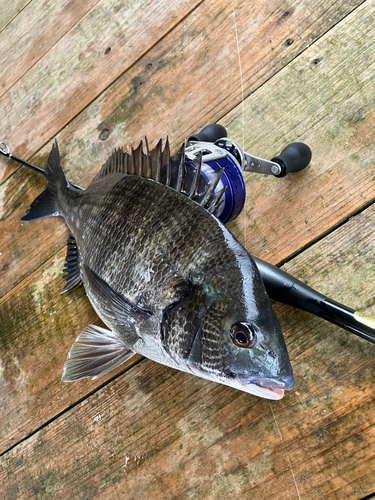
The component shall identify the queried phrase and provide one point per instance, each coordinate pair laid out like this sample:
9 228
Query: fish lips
286 384
270 388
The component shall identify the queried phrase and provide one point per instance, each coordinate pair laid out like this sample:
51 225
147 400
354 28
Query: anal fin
96 351
72 270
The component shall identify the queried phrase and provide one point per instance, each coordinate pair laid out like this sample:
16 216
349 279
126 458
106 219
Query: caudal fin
46 204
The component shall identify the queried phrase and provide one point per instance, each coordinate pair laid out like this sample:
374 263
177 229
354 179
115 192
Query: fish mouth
270 388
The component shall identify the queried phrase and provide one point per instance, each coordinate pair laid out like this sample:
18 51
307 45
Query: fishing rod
5 151
218 152
288 290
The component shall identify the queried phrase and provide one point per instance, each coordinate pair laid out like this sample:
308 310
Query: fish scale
141 240
166 277
169 282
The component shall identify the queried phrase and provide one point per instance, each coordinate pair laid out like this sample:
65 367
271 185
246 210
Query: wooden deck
98 74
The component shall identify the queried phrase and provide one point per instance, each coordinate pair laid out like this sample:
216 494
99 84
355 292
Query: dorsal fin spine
158 159
180 175
148 160
211 207
167 162
117 162
132 169
198 165
126 161
212 187
160 166
140 159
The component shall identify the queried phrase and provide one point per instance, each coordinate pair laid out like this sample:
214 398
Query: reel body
219 152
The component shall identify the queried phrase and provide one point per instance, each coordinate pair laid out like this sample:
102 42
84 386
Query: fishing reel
219 152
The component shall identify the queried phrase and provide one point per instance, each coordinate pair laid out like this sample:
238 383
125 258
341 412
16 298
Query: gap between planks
326 233
136 360
120 75
14 16
301 249
143 54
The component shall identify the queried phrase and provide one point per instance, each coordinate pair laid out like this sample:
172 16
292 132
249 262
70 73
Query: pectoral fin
96 351
118 306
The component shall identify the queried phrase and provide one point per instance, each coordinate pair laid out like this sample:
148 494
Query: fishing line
242 101
286 452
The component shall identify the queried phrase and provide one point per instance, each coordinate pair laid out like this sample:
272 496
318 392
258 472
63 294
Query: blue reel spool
214 158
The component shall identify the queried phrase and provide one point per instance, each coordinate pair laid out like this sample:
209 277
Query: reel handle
210 133
293 158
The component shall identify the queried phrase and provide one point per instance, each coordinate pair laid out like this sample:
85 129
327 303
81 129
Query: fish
166 277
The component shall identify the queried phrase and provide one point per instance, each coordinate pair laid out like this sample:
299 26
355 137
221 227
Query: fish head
240 342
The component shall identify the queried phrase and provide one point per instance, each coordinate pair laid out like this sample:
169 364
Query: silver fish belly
165 276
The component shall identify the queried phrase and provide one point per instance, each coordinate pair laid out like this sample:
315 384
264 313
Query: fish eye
242 335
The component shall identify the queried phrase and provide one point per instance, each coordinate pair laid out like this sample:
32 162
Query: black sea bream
165 275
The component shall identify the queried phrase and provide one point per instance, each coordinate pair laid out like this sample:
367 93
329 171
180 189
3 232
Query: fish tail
47 204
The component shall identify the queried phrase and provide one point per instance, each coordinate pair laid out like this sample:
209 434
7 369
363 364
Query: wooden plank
33 32
170 71
31 359
9 10
157 433
228 465
325 98
81 66
27 246
77 69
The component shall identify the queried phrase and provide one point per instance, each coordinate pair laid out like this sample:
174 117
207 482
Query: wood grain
10 10
325 98
37 28
145 431
169 71
157 433
38 326
80 66
270 37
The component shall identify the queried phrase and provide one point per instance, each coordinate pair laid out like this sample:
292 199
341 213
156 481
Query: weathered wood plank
9 10
156 433
325 98
77 69
205 441
25 244
163 79
80 66
32 34
38 326
189 437
157 80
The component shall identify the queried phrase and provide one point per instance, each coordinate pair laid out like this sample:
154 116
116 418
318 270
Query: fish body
165 276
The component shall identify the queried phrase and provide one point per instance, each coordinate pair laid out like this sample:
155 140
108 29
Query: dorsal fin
172 171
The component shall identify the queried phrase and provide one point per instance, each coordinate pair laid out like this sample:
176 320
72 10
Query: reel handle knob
210 133
293 158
